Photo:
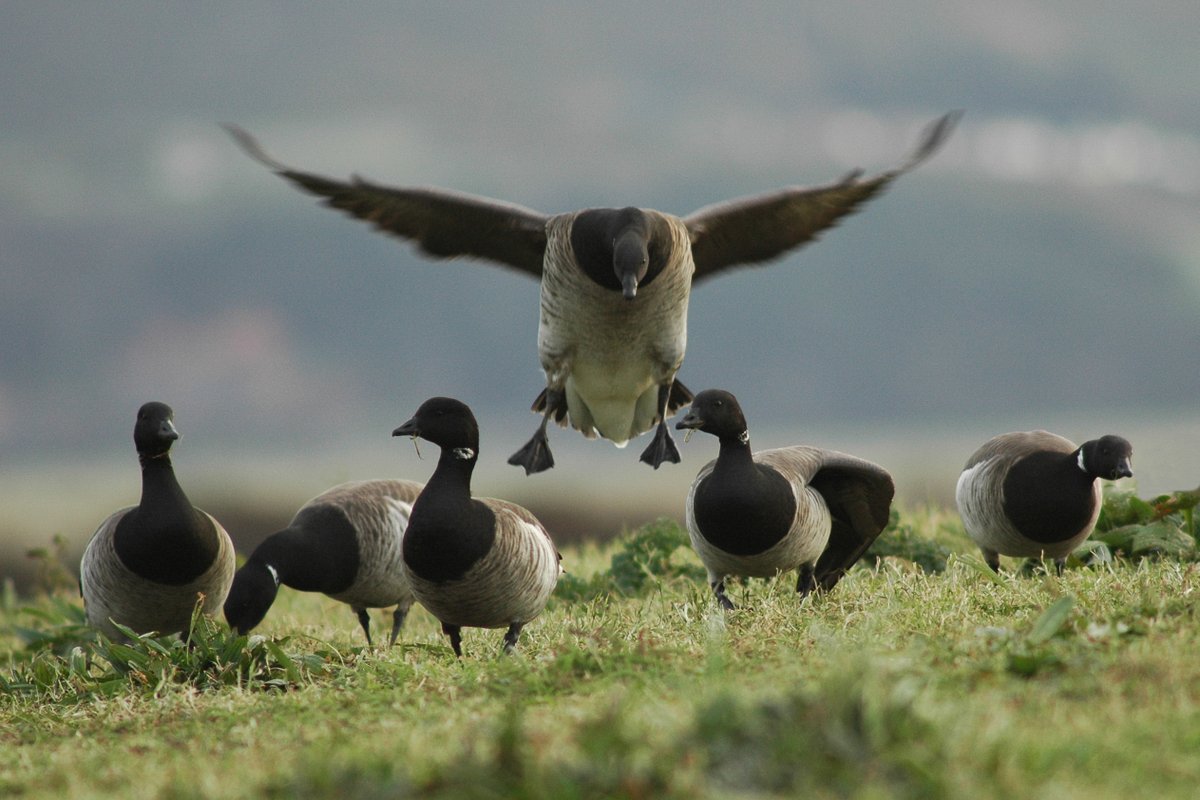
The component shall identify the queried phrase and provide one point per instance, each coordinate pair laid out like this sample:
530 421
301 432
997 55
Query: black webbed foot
511 636
807 581
535 456
662 448
722 598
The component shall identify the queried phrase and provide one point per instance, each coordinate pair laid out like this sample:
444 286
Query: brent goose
615 282
345 543
1034 494
760 514
146 565
480 563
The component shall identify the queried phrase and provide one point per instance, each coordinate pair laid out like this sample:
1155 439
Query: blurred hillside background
1043 270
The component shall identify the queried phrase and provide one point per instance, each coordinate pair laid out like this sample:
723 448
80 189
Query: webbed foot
662 448
535 456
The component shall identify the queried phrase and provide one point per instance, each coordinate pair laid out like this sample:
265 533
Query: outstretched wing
441 223
754 229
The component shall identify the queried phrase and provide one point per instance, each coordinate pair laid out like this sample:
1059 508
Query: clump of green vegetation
65 661
645 557
858 727
901 540
1132 527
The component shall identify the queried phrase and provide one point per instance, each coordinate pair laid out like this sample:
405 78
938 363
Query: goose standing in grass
1035 494
346 543
479 563
615 282
146 565
759 514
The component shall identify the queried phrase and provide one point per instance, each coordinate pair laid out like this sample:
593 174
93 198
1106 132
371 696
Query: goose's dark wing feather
441 223
859 496
754 229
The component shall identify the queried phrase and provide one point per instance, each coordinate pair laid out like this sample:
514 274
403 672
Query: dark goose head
1107 457
154 432
716 412
446 422
621 248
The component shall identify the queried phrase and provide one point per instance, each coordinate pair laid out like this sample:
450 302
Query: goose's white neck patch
744 437
463 453
1079 461
274 574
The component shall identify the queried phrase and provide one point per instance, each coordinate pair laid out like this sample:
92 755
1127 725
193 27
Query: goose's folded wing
441 223
759 228
859 495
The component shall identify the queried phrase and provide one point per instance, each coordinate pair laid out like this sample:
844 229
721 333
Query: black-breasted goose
1034 494
146 565
478 563
760 514
615 282
346 543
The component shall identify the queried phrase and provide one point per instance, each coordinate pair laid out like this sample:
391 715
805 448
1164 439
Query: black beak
409 428
167 430
691 420
1123 470
629 285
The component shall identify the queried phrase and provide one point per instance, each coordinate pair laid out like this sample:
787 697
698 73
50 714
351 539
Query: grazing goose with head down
1035 494
146 565
479 563
615 282
346 543
759 514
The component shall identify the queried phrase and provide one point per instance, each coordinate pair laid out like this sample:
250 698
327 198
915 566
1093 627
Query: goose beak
168 430
1123 470
410 428
629 285
690 422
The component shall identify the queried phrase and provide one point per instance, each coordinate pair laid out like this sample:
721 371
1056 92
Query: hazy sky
142 256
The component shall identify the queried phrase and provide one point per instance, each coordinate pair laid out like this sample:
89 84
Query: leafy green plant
67 662
53 575
1132 527
901 540
645 556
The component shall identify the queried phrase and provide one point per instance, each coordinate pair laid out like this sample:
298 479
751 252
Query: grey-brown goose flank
472 562
146 566
345 543
757 514
1034 494
615 282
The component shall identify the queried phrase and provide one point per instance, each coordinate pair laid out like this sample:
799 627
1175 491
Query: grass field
902 682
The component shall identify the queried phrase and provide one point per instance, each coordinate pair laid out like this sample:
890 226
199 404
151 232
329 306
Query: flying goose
1035 495
479 563
615 282
146 565
345 543
759 514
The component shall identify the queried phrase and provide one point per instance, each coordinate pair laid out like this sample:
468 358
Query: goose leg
718 588
535 456
511 636
397 622
662 447
1059 563
455 634
364 619
807 581
991 558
